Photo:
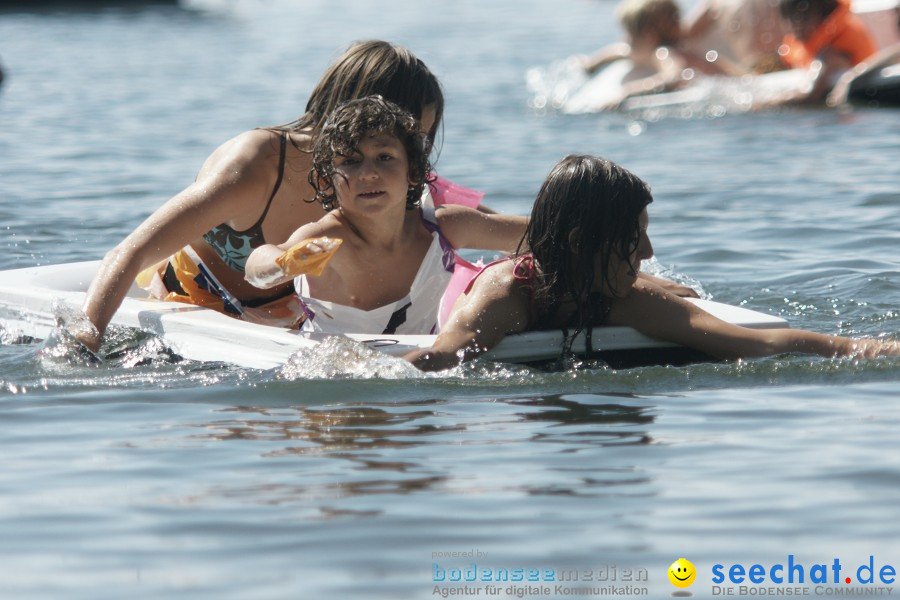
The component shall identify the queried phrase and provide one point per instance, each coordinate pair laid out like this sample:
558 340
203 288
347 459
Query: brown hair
348 125
370 68
636 16
818 9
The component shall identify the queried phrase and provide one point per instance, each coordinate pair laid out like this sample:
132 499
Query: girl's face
623 270
375 176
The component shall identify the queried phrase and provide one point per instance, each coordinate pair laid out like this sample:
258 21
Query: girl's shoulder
498 295
512 275
329 225
251 152
265 147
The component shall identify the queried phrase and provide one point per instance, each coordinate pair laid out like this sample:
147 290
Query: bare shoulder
497 294
492 308
497 279
327 226
252 153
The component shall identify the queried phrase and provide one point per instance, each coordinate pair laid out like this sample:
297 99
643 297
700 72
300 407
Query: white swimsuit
415 313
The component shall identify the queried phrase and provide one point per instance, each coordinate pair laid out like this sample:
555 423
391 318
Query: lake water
166 479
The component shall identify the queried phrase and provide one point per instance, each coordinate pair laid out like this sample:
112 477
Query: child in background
586 239
370 168
824 31
747 33
654 46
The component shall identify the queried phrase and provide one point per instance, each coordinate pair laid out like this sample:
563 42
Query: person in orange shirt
826 36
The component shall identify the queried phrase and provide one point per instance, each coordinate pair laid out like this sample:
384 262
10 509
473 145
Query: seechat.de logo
682 573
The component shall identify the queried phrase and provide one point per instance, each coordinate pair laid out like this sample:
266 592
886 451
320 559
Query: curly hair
587 205
348 125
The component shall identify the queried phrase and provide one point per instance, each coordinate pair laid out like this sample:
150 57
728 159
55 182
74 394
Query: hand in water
75 337
864 348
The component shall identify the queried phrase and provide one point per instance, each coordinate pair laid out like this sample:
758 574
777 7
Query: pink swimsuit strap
524 271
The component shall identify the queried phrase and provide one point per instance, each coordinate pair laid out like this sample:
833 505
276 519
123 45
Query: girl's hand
308 257
869 348
680 290
670 286
271 265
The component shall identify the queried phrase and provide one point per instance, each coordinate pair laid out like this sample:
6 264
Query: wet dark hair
368 68
348 125
791 9
586 205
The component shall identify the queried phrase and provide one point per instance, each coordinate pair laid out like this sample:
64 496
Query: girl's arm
307 250
833 64
662 315
232 182
604 56
495 306
470 228
466 228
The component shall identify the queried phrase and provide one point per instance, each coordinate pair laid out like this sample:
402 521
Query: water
147 477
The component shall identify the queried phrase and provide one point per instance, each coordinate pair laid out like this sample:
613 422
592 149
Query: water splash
339 358
342 358
552 86
657 269
564 86
12 336
61 349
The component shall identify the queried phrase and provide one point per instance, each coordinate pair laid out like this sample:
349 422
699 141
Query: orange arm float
308 257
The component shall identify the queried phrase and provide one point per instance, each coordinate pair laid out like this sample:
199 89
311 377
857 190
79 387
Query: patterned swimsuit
234 247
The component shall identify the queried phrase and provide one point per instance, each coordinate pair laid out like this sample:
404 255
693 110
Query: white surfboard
27 298
565 87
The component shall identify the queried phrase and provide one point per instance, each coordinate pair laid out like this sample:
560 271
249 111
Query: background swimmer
655 47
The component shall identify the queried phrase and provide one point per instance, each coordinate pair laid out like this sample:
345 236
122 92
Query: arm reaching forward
664 316
497 304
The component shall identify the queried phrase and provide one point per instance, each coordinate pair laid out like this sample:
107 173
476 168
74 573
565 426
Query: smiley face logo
682 573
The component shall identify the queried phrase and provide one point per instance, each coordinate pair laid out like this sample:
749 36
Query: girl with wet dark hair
585 242
570 229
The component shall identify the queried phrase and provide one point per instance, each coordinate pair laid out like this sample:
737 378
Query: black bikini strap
281 160
566 343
